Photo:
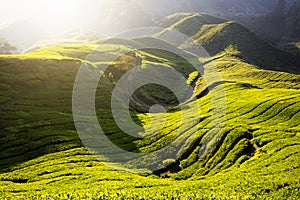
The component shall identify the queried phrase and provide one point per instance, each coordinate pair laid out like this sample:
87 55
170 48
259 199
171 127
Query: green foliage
257 152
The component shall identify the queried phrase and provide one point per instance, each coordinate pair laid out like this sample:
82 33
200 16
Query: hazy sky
48 10
56 15
52 14
24 22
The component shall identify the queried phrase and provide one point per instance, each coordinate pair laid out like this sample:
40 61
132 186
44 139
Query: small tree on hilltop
6 48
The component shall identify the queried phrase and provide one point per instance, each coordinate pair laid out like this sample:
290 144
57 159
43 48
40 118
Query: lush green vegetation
256 156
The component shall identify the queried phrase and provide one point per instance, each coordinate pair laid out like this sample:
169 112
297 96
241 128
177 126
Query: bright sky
51 13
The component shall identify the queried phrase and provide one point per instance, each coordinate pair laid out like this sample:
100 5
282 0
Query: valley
255 154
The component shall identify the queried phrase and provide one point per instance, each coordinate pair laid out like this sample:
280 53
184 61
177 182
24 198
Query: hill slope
217 35
258 148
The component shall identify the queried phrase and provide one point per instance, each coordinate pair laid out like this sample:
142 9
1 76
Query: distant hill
218 35
267 17
122 15
70 37
280 24
22 34
228 8
292 22
27 36
275 19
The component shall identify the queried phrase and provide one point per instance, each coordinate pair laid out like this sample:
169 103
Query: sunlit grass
256 156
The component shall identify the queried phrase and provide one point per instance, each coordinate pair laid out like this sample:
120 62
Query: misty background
35 23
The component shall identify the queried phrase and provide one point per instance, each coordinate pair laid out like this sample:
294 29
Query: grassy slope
42 156
216 35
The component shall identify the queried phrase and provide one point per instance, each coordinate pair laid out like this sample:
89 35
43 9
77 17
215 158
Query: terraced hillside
217 35
256 154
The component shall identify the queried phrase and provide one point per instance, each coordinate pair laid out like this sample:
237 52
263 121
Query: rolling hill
218 35
256 155
281 24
